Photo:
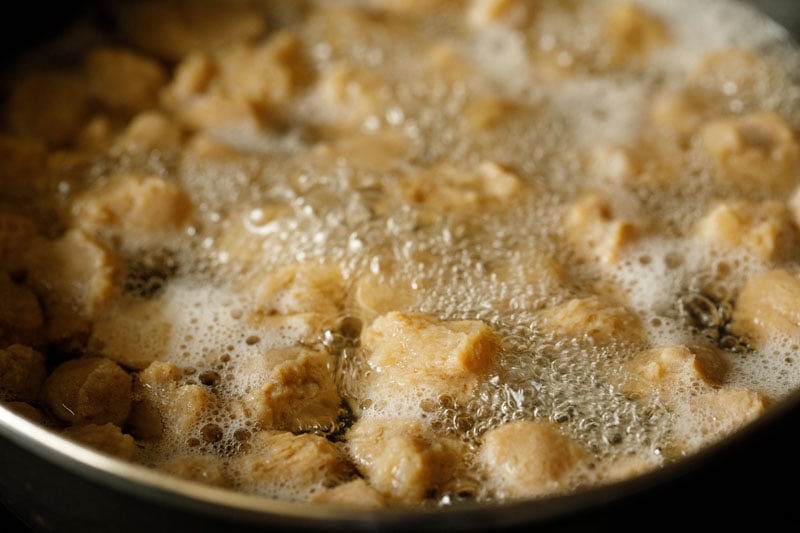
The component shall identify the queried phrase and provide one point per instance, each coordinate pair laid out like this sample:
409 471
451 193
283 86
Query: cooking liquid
473 264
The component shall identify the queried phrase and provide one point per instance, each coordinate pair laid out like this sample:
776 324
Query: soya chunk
49 105
203 468
402 459
134 333
446 189
512 13
631 33
123 80
21 319
768 309
74 277
673 370
597 318
295 390
528 459
596 230
267 75
754 152
170 30
163 406
357 493
713 415
415 352
92 390
147 131
135 209
293 467
22 372
315 292
764 230
107 438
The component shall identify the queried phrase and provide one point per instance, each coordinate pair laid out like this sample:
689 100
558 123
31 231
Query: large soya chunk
525 459
401 458
295 390
92 390
280 464
768 309
414 353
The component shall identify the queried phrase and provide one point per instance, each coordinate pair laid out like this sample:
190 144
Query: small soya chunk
135 209
49 105
713 415
512 13
528 459
673 370
15 233
147 131
315 292
763 230
134 333
596 230
107 438
202 467
21 319
754 153
170 30
631 33
444 188
293 467
22 372
419 352
594 317
767 309
123 80
356 493
91 390
402 459
75 277
164 406
294 391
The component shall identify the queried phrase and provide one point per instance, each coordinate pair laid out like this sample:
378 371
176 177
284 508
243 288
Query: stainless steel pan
52 485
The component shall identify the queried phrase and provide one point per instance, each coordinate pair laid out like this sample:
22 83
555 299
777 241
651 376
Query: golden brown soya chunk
147 131
49 105
122 79
754 153
283 465
107 438
22 372
165 408
75 276
596 230
512 13
356 493
133 332
134 210
202 467
673 370
445 188
402 459
307 291
294 390
763 230
415 354
767 309
595 317
688 381
525 459
631 33
21 319
91 390
170 30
